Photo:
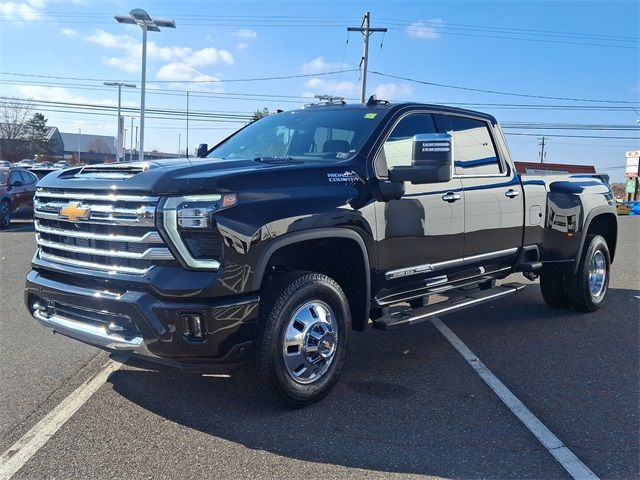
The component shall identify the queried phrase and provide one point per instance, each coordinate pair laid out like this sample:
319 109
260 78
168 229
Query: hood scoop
113 171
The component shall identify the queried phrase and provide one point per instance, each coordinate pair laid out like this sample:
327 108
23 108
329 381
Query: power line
231 80
496 92
443 28
574 136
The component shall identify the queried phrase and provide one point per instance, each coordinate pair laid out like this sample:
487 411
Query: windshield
314 134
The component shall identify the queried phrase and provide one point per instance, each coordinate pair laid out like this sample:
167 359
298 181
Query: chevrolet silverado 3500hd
303 226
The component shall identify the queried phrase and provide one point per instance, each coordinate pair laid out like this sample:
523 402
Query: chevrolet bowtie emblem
74 212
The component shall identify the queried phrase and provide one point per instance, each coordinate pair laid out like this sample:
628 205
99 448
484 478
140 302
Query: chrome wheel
597 274
310 342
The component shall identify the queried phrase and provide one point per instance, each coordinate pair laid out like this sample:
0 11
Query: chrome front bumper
84 332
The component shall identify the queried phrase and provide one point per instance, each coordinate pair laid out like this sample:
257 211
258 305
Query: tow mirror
203 148
431 160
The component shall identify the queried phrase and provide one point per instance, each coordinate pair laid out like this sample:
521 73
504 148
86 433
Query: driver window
397 149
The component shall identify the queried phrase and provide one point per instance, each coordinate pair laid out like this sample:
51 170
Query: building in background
537 168
90 148
19 145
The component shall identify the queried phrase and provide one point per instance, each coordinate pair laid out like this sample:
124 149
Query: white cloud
246 33
242 46
59 94
182 72
320 65
320 86
132 50
427 30
68 32
27 11
393 91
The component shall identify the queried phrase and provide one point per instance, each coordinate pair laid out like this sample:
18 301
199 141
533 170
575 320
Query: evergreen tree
36 130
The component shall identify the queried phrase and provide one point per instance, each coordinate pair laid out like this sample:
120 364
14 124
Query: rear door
493 194
422 234
29 180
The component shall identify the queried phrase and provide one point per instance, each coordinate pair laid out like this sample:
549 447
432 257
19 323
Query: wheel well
606 225
339 258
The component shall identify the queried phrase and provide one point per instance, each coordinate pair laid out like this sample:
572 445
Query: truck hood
165 176
196 175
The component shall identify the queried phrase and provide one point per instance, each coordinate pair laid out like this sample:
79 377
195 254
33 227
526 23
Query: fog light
192 326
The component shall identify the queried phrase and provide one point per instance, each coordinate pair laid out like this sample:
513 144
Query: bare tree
98 145
14 116
258 114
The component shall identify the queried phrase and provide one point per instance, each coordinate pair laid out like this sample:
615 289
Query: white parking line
562 454
20 452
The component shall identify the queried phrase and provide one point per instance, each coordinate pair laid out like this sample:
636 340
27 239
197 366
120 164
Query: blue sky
570 49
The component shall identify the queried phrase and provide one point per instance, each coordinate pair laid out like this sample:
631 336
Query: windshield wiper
276 160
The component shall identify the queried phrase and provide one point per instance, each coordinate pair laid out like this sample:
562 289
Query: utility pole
542 152
179 138
79 133
187 124
366 31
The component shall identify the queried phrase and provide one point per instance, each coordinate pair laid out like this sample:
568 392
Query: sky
569 66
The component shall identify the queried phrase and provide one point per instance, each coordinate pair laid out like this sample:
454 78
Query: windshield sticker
369 116
342 155
345 177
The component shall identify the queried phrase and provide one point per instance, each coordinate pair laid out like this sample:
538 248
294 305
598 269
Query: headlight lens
193 213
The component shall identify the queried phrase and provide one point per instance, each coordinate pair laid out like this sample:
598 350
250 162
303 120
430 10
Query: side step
461 300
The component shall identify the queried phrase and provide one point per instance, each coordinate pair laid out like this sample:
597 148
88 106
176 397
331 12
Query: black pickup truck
303 226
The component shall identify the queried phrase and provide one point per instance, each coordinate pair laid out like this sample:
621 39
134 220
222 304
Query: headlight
193 213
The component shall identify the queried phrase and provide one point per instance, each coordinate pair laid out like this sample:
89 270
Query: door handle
451 197
511 193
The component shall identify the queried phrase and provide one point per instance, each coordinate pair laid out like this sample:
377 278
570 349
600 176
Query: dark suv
17 187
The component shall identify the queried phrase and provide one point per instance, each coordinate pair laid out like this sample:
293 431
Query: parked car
44 164
6 163
303 227
61 164
25 163
17 187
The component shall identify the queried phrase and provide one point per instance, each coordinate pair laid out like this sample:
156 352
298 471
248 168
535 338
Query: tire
290 372
587 288
5 214
554 289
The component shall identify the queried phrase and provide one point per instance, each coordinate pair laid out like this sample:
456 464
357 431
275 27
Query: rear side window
27 178
473 150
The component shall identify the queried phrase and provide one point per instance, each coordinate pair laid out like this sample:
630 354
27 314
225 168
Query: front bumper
144 324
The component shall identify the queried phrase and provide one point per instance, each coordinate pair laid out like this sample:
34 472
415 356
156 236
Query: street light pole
144 89
179 138
120 146
139 17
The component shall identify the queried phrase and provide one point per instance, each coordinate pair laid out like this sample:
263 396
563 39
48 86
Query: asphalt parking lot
407 404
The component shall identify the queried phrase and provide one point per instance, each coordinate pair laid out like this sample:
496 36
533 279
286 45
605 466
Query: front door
493 194
422 234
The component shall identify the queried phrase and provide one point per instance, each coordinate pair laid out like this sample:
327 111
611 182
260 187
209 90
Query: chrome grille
116 234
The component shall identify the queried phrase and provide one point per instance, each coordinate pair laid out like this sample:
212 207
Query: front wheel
588 287
302 338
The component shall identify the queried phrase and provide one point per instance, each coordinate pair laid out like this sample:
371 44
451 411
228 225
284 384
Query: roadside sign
633 160
630 186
